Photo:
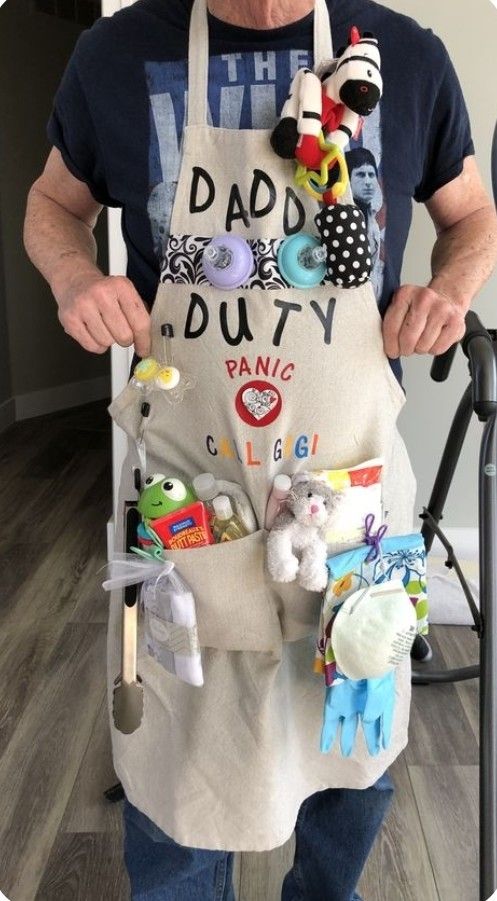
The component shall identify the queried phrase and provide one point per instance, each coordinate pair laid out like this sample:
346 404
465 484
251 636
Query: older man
117 129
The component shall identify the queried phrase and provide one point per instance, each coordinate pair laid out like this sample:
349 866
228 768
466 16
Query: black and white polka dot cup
343 232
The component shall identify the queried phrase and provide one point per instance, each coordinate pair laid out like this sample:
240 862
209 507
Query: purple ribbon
373 540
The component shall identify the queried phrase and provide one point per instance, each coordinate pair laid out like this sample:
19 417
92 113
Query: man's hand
421 321
98 311
429 320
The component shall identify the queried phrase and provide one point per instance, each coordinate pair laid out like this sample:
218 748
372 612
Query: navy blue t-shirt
119 111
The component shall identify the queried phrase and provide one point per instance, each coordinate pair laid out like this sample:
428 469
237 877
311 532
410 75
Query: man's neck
260 13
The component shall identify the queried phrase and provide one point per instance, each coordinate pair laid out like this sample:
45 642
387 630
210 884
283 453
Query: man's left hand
421 321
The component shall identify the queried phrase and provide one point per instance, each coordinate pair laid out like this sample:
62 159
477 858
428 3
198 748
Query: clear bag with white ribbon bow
170 622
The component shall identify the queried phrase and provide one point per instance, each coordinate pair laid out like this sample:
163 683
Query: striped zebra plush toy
330 103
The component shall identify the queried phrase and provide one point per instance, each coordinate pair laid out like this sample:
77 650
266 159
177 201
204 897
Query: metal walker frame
480 397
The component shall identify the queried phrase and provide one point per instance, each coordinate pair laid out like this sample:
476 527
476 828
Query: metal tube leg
488 650
448 463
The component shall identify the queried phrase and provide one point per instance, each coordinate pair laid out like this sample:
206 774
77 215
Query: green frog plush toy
161 495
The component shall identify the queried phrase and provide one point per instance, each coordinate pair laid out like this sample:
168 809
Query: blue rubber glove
377 715
344 703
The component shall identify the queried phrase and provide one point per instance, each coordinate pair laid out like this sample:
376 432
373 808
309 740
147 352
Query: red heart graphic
258 403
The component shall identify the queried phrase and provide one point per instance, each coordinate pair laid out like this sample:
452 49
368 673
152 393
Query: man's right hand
99 311
94 309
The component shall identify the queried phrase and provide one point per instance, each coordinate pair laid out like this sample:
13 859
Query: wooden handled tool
128 693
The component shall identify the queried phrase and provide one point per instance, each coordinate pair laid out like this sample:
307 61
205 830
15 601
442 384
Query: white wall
469 32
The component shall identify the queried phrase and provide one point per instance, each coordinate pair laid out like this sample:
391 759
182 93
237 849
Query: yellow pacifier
172 381
151 374
167 378
146 371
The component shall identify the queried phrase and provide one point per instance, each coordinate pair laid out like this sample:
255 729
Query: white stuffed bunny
302 527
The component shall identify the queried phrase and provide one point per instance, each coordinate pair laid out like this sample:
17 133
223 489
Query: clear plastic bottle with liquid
226 526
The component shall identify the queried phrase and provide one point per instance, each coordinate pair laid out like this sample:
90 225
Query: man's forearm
61 246
464 256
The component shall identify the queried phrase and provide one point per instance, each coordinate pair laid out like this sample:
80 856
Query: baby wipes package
361 495
170 625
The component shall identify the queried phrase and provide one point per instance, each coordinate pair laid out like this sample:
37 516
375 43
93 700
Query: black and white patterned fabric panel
182 263
344 234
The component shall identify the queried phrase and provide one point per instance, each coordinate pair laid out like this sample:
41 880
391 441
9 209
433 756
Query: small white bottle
206 488
280 491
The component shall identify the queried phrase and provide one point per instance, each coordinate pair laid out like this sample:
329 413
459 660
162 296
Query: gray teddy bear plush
301 527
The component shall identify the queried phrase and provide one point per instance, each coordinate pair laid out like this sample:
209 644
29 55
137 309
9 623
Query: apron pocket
125 410
298 609
235 605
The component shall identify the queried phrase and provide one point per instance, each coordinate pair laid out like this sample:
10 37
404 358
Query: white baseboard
463 541
61 397
7 413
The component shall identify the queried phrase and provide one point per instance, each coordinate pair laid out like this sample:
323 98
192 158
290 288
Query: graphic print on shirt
248 90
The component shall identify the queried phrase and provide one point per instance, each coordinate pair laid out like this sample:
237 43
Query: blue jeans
334 833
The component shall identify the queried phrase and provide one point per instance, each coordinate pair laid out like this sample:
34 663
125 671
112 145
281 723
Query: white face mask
373 630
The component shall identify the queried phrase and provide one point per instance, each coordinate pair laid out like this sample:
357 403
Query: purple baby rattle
227 262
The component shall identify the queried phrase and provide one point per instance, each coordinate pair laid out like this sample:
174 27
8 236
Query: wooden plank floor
59 839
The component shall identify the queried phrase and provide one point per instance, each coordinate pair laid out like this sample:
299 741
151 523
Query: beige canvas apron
226 766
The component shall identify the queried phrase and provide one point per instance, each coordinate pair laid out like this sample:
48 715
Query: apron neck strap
323 41
198 55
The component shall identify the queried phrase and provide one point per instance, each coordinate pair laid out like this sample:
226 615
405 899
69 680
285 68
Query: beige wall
470 34
34 49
